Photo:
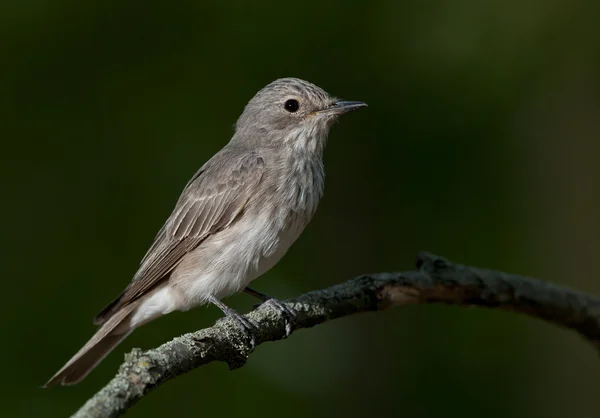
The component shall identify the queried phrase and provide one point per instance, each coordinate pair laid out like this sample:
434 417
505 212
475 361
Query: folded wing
213 199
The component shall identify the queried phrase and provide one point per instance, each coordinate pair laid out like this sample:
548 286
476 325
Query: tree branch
436 281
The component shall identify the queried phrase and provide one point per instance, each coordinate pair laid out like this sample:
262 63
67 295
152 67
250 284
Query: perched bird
234 220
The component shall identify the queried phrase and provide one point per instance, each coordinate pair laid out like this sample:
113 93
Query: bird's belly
285 239
228 261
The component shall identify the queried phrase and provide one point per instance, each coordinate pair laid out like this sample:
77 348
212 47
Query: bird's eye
291 105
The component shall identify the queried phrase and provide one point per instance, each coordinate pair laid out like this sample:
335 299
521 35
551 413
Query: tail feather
105 314
102 343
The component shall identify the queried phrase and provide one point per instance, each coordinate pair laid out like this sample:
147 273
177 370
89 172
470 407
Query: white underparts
160 303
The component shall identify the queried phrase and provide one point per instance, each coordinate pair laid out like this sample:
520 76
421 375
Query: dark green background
480 143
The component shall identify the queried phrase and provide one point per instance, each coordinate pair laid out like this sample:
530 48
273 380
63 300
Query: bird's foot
246 325
288 314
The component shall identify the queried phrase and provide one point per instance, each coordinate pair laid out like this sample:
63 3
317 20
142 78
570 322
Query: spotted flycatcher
234 220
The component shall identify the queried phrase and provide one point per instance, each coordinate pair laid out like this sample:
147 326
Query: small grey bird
234 220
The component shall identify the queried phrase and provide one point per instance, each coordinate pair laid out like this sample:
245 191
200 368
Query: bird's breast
301 185
273 219
289 207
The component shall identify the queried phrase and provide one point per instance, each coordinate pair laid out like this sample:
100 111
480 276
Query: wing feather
212 200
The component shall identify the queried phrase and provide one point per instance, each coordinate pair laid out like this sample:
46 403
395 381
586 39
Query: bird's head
293 113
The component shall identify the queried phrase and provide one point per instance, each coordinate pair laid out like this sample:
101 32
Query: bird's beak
342 106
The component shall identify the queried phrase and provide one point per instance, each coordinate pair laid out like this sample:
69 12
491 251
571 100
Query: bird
235 219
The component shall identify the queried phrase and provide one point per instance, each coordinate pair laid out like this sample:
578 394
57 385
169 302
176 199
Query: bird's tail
102 343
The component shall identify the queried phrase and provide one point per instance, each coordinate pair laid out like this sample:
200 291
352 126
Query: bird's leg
247 326
288 313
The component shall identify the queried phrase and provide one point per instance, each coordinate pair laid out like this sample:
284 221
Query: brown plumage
235 219
211 201
105 339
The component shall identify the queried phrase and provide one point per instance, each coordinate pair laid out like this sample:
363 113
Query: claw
289 315
246 325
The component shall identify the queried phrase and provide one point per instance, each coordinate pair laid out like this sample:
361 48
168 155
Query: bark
436 280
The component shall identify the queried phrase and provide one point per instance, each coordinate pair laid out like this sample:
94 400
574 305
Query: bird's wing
211 201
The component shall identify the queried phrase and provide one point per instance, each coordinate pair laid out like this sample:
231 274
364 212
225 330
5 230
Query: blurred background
480 143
